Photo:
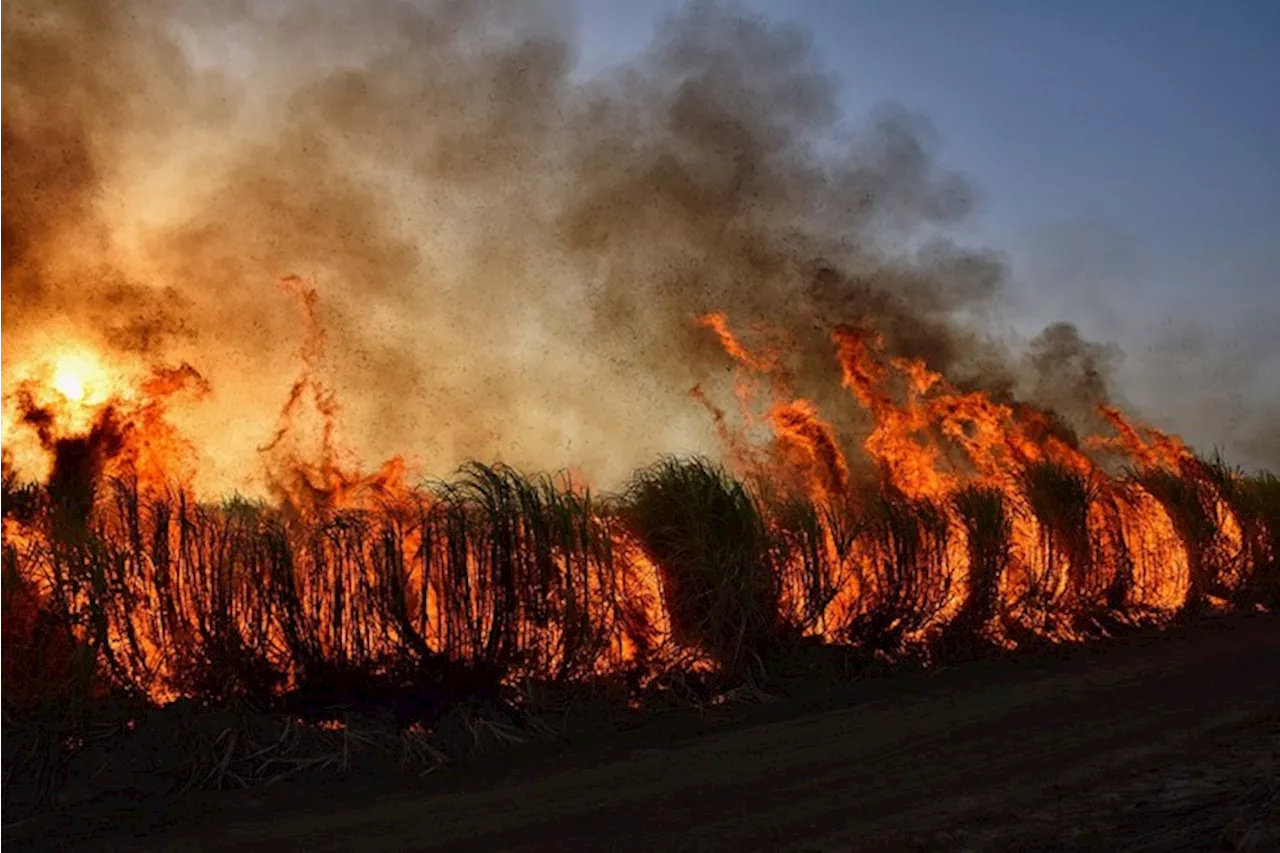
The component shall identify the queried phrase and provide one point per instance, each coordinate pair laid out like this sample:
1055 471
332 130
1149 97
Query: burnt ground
1167 741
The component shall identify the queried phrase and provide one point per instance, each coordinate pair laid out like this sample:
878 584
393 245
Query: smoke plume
508 259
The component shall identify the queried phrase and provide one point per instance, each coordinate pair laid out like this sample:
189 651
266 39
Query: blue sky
1127 154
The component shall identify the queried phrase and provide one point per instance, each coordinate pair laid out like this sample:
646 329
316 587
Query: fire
932 442
70 376
979 517
500 259
58 395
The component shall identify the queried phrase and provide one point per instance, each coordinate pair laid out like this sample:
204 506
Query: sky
1127 156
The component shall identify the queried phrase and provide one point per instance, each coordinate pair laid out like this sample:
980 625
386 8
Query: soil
1155 741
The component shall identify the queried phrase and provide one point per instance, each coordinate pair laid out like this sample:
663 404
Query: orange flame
901 560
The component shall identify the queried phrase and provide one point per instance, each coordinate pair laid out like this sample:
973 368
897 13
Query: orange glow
888 555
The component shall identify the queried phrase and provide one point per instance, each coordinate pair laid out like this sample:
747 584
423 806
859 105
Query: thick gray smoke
509 258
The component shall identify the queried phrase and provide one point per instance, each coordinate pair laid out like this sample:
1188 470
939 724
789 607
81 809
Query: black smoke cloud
509 258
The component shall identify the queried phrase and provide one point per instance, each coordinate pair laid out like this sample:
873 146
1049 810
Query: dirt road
1166 743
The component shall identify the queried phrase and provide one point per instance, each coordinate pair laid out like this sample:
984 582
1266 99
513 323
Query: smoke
1220 383
1195 363
72 86
508 259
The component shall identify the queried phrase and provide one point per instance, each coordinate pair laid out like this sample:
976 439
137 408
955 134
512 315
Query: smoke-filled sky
512 212
1125 156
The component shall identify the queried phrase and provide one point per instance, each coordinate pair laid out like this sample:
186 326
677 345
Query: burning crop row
978 521
511 256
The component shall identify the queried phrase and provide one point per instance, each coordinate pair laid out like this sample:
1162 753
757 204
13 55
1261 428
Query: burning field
254 301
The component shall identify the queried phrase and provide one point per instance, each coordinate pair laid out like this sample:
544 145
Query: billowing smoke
508 258
1220 382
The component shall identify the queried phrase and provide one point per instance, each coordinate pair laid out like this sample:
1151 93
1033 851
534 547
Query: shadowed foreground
1153 742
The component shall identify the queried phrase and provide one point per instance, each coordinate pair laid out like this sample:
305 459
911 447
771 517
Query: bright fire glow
75 375
896 563
62 393
69 382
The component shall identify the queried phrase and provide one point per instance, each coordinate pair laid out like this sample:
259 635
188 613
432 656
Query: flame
70 376
870 499
942 532
931 440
